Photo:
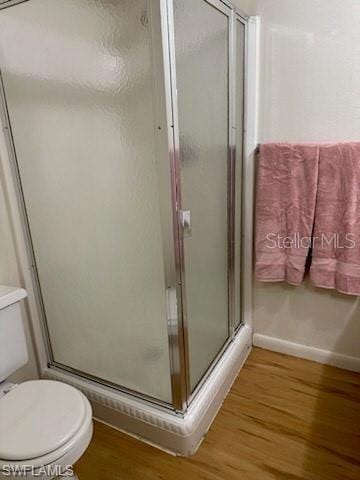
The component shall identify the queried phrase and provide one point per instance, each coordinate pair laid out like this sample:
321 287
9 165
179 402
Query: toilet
45 425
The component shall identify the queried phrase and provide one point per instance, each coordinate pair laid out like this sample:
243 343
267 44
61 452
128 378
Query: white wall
310 77
10 275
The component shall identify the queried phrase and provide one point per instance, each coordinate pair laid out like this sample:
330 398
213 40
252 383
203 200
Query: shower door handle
185 220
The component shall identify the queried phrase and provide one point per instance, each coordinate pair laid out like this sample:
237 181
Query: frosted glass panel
240 51
201 39
78 78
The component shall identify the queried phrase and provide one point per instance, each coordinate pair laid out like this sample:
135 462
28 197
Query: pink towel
336 247
285 205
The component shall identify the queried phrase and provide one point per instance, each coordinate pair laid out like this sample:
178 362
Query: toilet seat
43 421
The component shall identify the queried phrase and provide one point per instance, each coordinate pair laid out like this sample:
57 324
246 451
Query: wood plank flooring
285 418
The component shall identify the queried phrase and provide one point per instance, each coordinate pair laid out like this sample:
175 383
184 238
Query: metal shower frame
180 368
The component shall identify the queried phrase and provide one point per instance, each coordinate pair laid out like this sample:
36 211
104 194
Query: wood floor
285 418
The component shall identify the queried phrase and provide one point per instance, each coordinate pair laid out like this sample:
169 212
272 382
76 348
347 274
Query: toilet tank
13 350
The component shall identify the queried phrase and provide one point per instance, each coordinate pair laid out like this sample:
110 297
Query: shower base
169 431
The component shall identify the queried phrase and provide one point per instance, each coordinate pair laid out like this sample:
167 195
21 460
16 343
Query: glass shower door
78 76
201 30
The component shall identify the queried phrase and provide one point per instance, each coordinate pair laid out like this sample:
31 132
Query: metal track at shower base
10 3
142 397
113 386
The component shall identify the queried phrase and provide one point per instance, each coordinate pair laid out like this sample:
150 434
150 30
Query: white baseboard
176 434
310 353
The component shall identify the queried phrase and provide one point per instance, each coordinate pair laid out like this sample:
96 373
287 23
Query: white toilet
45 426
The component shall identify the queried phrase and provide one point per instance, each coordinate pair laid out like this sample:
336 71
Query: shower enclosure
124 123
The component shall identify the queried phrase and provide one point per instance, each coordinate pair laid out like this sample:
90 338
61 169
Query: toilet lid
38 417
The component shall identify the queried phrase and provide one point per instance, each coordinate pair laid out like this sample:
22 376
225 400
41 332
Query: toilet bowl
45 428
45 425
